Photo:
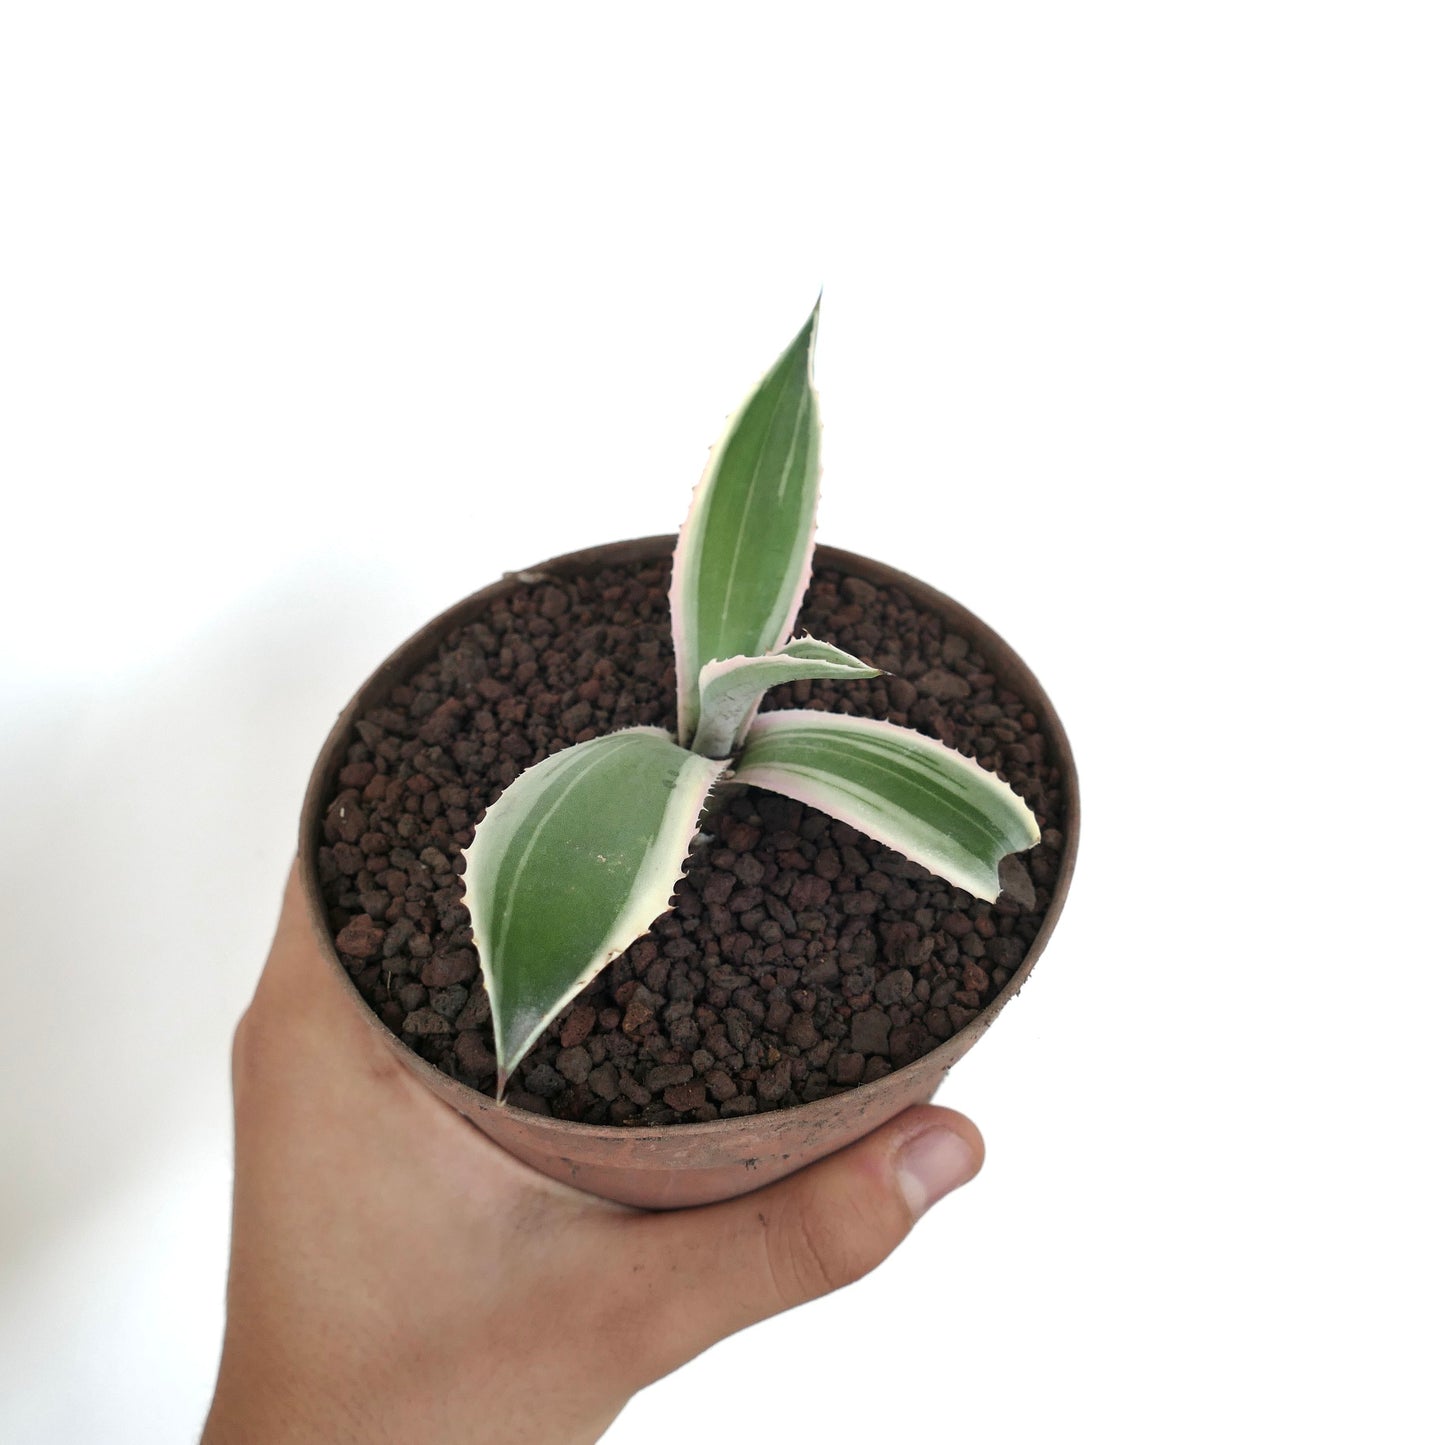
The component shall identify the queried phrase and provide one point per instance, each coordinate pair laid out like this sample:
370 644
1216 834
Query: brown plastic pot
685 1164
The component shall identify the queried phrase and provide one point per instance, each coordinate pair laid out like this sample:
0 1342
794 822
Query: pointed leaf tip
571 865
744 554
911 792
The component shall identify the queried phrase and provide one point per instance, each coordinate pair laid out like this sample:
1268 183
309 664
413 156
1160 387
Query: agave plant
581 854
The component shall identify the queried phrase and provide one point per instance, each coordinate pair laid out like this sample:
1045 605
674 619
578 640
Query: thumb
735 1263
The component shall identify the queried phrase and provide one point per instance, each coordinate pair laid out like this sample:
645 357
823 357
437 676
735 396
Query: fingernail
931 1164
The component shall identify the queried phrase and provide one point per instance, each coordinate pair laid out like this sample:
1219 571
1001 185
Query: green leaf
745 551
909 792
572 864
732 688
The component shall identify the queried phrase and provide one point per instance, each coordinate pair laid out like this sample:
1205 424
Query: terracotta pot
685 1164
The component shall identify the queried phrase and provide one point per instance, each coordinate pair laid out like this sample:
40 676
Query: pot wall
685 1164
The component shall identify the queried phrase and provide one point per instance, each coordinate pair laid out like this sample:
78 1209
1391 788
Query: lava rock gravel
800 957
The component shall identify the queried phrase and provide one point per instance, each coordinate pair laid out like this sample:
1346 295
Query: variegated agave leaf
731 689
909 792
745 551
572 864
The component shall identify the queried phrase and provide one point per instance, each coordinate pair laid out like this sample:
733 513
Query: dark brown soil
800 958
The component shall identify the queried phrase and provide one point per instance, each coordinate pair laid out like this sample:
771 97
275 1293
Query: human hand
395 1276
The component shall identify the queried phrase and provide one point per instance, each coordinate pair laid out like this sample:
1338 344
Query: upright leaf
910 792
572 864
731 689
745 551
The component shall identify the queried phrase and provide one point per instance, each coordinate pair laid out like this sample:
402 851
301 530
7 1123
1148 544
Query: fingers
729 1265
292 992
301 1001
295 962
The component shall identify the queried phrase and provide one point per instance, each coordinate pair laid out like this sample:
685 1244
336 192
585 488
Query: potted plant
694 913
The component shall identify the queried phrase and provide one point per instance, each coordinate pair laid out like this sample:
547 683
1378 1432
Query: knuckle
818 1247
246 1046
242 1043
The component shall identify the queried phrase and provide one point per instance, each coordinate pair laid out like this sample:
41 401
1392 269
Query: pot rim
413 652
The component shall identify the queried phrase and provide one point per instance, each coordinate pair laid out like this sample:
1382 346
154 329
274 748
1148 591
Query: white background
314 318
